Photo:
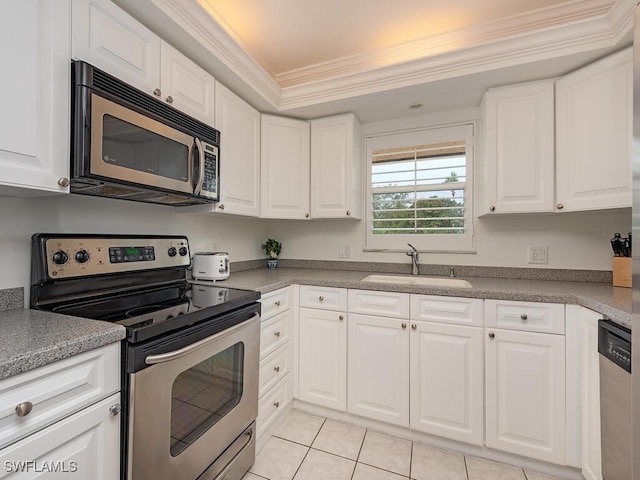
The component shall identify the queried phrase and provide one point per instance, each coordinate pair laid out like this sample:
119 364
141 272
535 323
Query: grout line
466 468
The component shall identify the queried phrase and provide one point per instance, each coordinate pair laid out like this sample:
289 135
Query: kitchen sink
417 280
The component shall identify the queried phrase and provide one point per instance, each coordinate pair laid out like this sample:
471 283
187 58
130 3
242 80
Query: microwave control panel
210 182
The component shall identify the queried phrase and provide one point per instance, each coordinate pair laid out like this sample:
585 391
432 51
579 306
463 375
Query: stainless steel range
190 358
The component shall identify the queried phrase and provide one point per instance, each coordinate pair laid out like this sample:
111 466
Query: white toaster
210 266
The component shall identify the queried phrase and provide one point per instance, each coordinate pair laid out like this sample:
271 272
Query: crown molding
573 27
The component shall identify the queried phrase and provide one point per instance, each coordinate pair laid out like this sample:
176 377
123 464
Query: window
420 189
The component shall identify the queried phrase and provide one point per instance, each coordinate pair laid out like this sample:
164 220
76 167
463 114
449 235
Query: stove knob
60 257
183 251
82 256
172 251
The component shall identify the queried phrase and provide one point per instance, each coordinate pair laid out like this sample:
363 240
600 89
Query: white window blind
420 188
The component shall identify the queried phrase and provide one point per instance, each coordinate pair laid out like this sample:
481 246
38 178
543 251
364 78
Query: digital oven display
131 254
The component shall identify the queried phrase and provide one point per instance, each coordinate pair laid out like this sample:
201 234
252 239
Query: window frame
419 136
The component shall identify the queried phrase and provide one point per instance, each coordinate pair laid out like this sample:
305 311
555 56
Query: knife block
622 270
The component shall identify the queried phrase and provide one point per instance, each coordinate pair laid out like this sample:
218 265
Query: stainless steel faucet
413 253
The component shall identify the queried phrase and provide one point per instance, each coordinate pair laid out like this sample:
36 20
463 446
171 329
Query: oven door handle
230 465
167 357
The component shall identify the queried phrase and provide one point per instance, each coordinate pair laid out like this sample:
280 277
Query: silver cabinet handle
277 369
492 208
414 326
559 206
524 317
221 206
321 298
167 357
23 409
348 213
492 335
404 325
276 404
115 410
63 181
169 99
306 215
341 317
277 334
157 92
277 303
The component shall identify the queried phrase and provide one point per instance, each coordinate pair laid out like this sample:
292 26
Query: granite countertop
33 338
612 302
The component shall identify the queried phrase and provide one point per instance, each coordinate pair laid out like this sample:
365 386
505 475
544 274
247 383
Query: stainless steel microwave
126 144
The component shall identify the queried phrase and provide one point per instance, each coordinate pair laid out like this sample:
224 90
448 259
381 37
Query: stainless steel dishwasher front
614 346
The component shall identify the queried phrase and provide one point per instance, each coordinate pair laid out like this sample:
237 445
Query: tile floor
306 447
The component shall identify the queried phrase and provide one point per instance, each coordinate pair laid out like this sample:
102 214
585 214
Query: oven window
204 394
133 147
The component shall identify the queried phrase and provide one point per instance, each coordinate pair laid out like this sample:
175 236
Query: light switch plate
538 255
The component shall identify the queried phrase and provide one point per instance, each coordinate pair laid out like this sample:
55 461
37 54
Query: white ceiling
307 58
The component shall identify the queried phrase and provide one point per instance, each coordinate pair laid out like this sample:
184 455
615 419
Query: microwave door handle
198 187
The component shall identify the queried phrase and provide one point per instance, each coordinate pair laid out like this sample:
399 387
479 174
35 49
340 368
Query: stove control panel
77 256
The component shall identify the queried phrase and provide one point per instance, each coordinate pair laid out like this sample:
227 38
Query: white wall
21 218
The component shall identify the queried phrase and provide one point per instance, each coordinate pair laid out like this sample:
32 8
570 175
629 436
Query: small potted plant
272 248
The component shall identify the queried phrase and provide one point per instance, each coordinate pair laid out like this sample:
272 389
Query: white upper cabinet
336 173
239 124
594 122
284 167
519 148
110 39
185 85
34 124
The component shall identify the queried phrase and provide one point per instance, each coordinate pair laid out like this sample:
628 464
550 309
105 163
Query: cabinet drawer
275 332
274 367
326 298
276 302
460 311
383 304
528 316
272 404
57 390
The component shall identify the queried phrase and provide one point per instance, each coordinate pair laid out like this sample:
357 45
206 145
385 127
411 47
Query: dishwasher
614 346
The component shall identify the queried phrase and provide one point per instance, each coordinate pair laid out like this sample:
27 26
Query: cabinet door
591 446
525 394
447 381
107 37
519 148
239 123
185 85
84 446
378 368
284 167
322 374
34 124
335 167
594 122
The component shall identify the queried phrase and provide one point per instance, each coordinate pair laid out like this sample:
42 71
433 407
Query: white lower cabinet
378 368
71 427
447 381
525 393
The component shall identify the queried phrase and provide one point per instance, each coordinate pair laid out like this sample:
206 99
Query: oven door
134 148
193 403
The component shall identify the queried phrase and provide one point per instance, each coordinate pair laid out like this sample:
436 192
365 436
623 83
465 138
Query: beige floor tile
386 452
366 472
300 428
531 475
279 459
430 463
483 469
252 476
340 439
319 465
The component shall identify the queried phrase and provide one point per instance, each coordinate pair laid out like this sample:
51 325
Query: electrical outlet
344 250
538 255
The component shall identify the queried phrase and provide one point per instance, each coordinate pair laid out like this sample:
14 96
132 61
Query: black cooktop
155 311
